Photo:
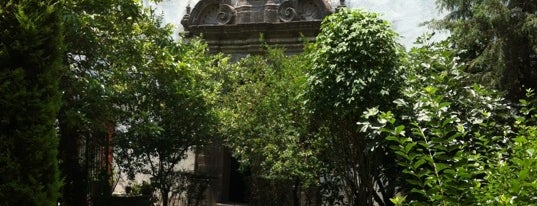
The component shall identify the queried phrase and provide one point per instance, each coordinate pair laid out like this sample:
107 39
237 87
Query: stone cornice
240 39
235 26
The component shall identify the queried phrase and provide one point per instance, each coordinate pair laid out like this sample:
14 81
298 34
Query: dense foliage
512 179
354 116
167 110
355 67
263 120
497 41
375 114
126 70
455 141
30 68
101 38
443 129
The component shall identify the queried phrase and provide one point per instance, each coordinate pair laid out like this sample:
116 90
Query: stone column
271 12
244 12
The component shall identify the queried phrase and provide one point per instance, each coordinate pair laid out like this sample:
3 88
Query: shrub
457 143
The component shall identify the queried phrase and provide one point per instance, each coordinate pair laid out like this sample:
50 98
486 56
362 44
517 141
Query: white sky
405 15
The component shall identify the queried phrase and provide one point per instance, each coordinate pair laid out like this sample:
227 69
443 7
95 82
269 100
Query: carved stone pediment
235 26
222 12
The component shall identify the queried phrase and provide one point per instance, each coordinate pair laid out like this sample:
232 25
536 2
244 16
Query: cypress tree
30 66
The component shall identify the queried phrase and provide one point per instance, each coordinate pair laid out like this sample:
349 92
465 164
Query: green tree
168 107
102 41
95 32
355 67
497 39
30 68
264 122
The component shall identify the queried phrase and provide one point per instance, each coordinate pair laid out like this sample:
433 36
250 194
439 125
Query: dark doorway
238 188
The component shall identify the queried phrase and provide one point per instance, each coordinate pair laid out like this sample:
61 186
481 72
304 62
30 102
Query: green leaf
530 152
393 138
414 182
402 154
409 146
444 104
400 130
515 186
418 191
418 164
430 89
523 174
441 166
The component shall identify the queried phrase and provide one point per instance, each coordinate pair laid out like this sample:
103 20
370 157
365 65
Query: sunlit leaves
356 70
263 117
454 131
166 106
356 58
511 179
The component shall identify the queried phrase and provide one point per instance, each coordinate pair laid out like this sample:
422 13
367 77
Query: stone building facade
239 28
235 26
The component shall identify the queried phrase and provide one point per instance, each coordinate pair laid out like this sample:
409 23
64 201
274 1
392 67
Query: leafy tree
445 131
355 67
103 39
264 121
96 32
167 102
30 68
497 40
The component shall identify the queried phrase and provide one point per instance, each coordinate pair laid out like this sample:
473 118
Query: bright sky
405 15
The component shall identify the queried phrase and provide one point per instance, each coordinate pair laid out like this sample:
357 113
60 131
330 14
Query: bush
456 143
512 178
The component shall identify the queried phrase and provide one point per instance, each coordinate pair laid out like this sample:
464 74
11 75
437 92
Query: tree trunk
296 192
165 198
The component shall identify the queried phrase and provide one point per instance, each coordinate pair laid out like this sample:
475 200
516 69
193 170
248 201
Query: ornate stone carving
308 11
244 9
287 12
186 19
226 14
209 15
271 12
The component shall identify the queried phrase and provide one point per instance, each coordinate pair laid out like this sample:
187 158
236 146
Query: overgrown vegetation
356 65
263 121
355 117
166 106
415 128
457 142
446 131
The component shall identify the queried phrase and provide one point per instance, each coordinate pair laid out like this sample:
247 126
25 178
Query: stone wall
243 27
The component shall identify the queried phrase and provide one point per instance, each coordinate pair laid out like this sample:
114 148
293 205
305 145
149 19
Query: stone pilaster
244 11
271 12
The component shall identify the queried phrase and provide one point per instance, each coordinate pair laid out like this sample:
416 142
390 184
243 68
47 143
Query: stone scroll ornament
308 11
287 12
225 14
